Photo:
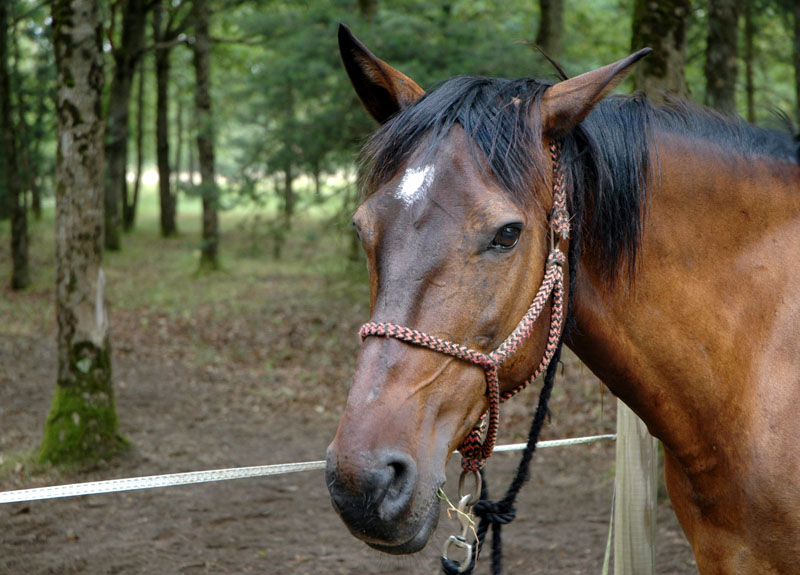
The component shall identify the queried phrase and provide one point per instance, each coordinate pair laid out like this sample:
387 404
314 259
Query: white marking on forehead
415 184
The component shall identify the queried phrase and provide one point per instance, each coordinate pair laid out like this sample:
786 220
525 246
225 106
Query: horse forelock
493 112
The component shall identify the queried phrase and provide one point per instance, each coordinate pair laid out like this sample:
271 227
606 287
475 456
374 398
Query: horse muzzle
377 496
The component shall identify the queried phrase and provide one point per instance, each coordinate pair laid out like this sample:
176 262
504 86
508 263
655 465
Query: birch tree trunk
82 425
205 135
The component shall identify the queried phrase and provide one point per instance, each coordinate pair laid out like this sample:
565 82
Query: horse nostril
371 490
397 470
399 479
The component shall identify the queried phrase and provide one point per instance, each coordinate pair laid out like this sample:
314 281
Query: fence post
636 496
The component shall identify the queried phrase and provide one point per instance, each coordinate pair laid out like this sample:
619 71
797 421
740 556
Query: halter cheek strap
475 451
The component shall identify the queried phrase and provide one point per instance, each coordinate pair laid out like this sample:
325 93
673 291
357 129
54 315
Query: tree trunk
192 163
38 134
23 131
749 58
317 182
82 426
551 27
205 135
721 46
288 196
15 196
662 27
178 145
125 57
368 8
796 58
168 224
129 206
284 221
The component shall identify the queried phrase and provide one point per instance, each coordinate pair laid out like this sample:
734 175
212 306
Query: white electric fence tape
192 477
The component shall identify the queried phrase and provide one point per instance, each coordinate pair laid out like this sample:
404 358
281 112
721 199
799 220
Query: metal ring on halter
476 493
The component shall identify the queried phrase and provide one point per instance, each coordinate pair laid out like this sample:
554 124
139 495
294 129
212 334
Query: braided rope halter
474 451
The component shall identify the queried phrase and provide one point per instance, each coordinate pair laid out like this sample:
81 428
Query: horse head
458 187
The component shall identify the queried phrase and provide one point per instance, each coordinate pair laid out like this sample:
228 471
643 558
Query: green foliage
282 102
287 106
287 103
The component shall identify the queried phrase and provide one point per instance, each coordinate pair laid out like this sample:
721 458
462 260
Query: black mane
607 158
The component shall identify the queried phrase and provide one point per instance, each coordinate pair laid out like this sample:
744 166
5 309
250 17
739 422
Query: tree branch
167 45
243 41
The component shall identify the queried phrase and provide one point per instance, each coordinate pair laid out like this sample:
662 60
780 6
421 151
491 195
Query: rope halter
475 451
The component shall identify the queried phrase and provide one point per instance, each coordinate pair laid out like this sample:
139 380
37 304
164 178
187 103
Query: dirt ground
227 385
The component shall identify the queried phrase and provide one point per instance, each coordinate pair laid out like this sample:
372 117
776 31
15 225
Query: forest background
225 178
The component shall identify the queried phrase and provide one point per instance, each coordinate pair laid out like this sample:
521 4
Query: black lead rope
498 513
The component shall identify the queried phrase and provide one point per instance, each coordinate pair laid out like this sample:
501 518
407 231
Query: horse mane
609 159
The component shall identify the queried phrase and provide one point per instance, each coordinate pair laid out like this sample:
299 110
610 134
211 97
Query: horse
683 288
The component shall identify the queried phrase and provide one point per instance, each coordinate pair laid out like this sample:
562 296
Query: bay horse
685 246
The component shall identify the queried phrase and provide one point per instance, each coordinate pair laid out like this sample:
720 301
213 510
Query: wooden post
636 496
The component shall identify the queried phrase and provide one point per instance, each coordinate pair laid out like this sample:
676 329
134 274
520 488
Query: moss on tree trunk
82 427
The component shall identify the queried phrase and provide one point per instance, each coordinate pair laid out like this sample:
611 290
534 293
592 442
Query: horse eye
355 227
506 237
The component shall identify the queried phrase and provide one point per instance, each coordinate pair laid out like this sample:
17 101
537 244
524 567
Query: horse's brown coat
709 358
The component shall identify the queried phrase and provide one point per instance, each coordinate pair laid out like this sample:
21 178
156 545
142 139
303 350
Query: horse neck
680 343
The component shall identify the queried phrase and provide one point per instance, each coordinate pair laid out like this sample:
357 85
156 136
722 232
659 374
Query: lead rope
475 451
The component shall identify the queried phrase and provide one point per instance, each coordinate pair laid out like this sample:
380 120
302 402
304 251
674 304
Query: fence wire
194 477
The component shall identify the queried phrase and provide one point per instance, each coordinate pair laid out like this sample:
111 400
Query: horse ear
566 104
383 90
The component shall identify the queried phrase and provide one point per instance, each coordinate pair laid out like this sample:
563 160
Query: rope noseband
475 451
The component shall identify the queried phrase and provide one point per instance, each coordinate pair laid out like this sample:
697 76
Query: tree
166 36
26 169
551 27
662 27
721 55
129 203
34 81
17 205
126 56
209 252
749 57
82 424
796 56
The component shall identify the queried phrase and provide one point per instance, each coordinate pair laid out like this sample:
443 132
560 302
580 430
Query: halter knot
495 511
557 258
